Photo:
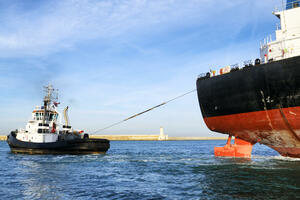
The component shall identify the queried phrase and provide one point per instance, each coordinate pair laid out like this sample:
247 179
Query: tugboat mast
48 98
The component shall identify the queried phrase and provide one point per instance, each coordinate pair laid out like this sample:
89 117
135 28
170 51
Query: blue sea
150 170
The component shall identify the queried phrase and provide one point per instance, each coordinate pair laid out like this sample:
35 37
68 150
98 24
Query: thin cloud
59 25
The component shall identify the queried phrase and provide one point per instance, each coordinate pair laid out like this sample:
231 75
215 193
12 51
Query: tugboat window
39 116
43 130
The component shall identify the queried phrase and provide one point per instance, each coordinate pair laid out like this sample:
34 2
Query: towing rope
133 116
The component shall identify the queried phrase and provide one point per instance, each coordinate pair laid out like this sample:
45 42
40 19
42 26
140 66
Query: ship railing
248 62
287 5
204 75
278 26
267 40
293 34
233 67
201 75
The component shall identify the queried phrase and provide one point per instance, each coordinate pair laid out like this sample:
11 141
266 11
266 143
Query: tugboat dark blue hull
74 146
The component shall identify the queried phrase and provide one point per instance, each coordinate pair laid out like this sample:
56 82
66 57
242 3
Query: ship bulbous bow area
256 104
275 128
240 148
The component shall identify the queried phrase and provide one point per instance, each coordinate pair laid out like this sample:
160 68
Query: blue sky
113 58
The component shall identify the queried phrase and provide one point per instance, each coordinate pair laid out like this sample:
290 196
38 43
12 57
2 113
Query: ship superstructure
287 35
43 125
260 102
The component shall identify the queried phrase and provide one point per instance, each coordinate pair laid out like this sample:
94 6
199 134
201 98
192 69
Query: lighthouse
162 136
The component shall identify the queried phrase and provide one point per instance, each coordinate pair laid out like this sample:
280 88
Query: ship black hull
76 146
257 104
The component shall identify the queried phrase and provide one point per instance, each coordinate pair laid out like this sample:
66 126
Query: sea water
150 170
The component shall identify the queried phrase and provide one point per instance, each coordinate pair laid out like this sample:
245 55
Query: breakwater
151 137
144 137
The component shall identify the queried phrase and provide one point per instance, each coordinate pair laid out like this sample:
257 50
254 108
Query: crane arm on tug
66 116
67 124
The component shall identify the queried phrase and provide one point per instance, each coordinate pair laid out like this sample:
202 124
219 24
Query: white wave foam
286 158
279 157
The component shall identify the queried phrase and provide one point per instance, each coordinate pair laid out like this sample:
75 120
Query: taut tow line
133 116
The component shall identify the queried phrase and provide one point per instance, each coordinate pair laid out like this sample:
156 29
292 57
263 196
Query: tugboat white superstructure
42 133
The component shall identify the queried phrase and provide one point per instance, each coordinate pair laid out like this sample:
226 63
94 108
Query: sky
111 59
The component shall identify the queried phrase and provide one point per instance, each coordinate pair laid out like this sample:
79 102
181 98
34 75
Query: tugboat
43 135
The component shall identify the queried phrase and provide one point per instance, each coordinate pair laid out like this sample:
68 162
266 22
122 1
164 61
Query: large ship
45 134
260 101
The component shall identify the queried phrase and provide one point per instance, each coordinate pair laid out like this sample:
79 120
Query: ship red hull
276 128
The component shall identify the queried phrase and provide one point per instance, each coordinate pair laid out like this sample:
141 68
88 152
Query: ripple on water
150 170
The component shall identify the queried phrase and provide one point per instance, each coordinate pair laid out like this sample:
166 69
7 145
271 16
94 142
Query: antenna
51 95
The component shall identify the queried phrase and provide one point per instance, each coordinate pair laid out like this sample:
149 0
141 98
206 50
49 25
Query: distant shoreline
143 138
